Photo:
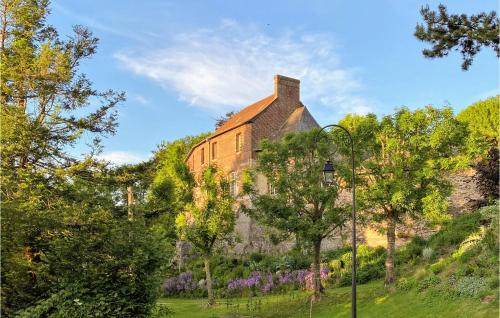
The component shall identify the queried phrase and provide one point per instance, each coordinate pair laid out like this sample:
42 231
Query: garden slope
453 274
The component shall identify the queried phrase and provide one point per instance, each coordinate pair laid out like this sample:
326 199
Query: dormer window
239 142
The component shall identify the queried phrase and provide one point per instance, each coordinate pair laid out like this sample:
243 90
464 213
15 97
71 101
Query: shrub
428 282
440 265
468 286
335 254
161 311
108 269
455 231
177 285
411 251
370 263
293 260
406 283
427 253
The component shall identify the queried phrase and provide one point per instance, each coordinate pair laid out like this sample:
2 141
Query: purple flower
179 284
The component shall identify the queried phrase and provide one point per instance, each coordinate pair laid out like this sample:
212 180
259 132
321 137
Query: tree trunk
318 289
391 247
208 276
130 202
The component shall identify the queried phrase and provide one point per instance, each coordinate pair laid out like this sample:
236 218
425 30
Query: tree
482 120
298 205
55 206
223 119
209 220
171 188
403 163
467 34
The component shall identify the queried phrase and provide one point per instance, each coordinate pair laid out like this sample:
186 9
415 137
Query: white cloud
232 66
141 99
122 157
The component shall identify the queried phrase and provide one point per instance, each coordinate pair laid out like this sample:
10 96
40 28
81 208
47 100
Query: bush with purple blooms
183 284
280 281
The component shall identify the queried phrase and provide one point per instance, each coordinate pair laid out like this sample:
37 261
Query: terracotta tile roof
240 118
244 115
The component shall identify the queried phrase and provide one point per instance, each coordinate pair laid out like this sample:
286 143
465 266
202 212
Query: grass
430 286
373 301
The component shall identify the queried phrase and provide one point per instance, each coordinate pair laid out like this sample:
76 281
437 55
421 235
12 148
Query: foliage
428 282
404 159
370 265
181 284
427 253
301 205
411 251
67 250
455 231
488 174
467 34
110 269
171 184
468 286
223 119
209 220
482 120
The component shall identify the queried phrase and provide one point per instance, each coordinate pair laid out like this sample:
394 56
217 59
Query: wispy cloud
141 99
232 65
122 157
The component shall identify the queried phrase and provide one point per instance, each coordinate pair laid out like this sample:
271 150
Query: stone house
234 146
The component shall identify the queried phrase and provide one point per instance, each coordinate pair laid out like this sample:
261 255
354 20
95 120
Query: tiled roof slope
244 115
240 118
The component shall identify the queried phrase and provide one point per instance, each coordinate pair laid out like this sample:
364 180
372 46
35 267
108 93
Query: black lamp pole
328 173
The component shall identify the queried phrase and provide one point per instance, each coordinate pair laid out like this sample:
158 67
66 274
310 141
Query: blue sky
184 63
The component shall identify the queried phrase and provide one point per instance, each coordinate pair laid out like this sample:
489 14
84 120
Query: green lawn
373 301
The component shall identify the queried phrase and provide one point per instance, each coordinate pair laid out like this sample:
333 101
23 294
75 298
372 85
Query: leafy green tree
482 120
299 205
403 161
171 187
209 220
467 34
64 244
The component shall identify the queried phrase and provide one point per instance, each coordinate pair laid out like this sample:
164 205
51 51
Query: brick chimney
287 87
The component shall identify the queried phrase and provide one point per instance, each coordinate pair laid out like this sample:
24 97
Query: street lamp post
328 178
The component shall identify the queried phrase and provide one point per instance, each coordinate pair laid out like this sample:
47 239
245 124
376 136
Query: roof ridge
235 122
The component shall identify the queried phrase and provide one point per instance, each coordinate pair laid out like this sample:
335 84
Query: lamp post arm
353 293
